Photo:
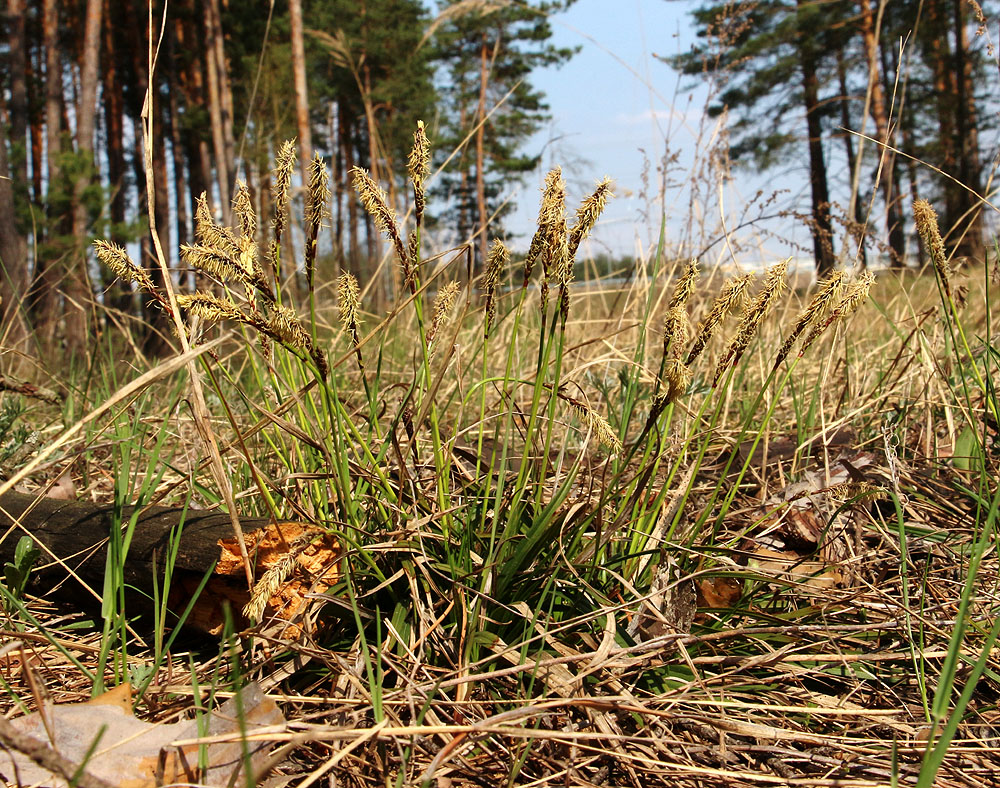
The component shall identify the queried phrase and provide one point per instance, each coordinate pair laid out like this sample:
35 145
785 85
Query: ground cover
688 529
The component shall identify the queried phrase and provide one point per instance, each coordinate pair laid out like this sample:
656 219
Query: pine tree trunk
940 61
970 242
158 329
79 293
480 152
117 294
14 184
215 114
302 123
172 121
18 92
857 213
893 222
225 94
45 303
822 231
13 260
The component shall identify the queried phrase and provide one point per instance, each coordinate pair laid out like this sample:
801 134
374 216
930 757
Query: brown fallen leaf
121 750
718 592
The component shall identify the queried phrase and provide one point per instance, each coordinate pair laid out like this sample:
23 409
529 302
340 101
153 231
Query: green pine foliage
515 39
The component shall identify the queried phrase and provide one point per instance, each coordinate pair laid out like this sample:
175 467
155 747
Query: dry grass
679 532
782 676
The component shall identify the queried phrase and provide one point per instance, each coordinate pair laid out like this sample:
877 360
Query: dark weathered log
74 535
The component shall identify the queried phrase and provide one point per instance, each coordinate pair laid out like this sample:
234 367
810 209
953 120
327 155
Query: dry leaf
131 753
718 592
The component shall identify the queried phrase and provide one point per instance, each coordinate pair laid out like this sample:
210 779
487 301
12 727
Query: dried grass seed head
852 297
496 261
678 377
349 301
211 234
597 423
733 294
927 225
589 212
211 261
244 211
685 286
444 301
284 165
550 195
675 329
827 296
376 204
418 163
774 285
318 193
117 259
284 325
210 307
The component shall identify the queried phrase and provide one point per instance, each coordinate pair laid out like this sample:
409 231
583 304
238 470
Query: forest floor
781 579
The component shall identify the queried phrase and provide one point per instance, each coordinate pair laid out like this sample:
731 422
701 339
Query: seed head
211 307
443 304
733 294
284 326
117 259
284 165
349 299
774 285
589 212
318 193
550 215
927 226
853 296
826 297
496 261
596 422
217 264
678 377
244 211
418 168
377 204
685 286
675 326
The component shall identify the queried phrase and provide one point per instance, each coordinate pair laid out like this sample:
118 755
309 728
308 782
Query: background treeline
800 78
349 78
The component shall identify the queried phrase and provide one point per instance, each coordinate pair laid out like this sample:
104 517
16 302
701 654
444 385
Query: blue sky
616 108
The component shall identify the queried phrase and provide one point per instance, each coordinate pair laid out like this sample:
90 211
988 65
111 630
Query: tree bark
13 241
968 219
225 94
484 218
13 261
14 186
177 148
822 231
117 294
302 121
79 295
857 233
215 114
893 222
45 297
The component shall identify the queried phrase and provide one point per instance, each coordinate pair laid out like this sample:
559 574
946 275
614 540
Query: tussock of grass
699 534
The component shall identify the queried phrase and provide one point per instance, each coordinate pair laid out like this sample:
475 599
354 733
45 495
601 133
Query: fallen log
74 535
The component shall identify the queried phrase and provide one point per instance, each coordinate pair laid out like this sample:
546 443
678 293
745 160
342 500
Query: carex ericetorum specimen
457 439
